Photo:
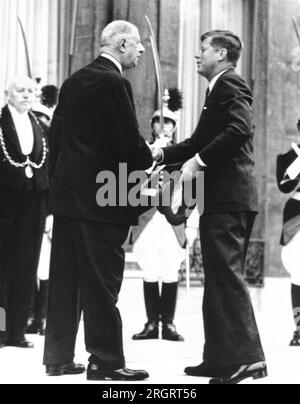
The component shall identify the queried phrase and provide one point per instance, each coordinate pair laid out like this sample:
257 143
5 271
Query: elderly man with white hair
94 129
24 185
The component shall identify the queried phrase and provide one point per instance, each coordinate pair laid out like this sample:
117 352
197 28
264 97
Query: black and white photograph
149 195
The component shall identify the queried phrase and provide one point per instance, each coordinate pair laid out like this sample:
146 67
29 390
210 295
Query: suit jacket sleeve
235 101
236 104
125 140
180 152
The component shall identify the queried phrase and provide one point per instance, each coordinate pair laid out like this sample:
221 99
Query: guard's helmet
172 102
167 114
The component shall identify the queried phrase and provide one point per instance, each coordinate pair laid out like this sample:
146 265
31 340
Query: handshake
157 154
156 149
190 169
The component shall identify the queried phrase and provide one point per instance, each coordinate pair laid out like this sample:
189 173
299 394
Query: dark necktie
207 95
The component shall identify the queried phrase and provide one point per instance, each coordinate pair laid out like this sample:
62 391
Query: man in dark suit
94 129
222 145
24 185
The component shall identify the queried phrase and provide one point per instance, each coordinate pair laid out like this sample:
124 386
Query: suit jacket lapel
129 90
9 130
11 136
38 136
216 86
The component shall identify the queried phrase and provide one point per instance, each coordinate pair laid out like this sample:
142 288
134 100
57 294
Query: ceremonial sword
158 71
73 33
29 71
296 29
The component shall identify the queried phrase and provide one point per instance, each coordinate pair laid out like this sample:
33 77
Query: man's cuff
162 156
200 161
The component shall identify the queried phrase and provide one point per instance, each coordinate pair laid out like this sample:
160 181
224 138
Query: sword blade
296 29
158 71
29 71
73 34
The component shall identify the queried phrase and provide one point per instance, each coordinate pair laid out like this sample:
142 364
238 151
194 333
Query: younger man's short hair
227 40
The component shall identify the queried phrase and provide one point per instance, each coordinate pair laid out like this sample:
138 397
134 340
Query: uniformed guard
290 239
155 238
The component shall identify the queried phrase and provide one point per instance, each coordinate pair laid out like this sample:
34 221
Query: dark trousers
86 273
231 334
22 217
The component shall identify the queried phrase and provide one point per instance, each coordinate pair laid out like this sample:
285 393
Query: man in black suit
222 145
24 185
94 130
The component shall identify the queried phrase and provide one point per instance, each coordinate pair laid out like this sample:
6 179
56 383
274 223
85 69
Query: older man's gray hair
114 32
21 81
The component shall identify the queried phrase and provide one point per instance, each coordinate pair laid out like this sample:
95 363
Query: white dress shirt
24 130
215 79
114 60
211 86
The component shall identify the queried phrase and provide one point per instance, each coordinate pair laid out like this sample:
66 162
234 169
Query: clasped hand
156 147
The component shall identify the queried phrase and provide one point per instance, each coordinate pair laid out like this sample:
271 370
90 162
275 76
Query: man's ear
223 54
122 45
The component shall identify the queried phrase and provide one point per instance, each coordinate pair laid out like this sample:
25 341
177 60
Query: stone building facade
267 31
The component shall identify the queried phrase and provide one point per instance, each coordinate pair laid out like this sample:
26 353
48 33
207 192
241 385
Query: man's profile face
21 95
207 59
133 50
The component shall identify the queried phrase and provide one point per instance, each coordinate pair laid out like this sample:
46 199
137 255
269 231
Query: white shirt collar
215 79
24 130
14 112
114 60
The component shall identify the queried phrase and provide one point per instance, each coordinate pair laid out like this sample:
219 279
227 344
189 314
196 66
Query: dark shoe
255 371
296 340
61 370
205 371
151 331
169 333
20 344
95 373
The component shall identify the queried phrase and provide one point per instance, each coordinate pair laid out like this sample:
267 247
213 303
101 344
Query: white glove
49 226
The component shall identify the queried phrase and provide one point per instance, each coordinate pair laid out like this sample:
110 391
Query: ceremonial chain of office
28 162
